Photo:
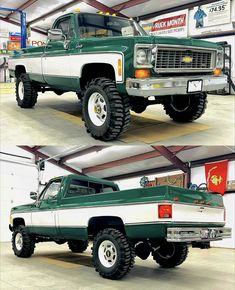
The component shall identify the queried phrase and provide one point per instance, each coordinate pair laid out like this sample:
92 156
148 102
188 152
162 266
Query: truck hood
22 208
176 41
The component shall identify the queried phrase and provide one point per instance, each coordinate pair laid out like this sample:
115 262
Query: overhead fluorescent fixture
95 154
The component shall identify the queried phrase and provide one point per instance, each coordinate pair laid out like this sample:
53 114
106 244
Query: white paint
68 66
202 213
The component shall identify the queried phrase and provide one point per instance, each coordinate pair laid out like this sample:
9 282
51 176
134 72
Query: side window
52 190
78 188
66 26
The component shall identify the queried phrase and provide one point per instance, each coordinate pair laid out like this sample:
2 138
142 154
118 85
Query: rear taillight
165 211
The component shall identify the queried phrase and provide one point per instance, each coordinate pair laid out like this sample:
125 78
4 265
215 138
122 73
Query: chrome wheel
19 241
107 253
97 109
180 103
21 90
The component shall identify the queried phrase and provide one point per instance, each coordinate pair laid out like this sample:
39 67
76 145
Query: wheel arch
97 223
19 69
18 221
91 71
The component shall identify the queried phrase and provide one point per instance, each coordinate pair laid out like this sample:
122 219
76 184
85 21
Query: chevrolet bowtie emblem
187 59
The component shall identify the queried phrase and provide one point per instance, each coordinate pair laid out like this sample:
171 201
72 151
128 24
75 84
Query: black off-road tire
30 94
78 246
125 254
186 108
170 255
28 244
138 104
118 110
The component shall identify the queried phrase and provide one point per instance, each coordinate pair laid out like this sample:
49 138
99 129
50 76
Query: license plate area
194 86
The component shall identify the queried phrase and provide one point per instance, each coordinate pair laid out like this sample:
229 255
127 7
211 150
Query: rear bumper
197 234
172 85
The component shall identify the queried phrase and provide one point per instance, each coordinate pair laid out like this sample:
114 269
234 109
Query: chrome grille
183 59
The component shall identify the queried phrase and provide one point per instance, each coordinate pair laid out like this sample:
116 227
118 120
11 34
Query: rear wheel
23 243
186 108
106 114
113 255
170 255
78 246
26 94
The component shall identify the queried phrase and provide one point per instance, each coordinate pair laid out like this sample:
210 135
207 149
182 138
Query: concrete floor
54 267
58 118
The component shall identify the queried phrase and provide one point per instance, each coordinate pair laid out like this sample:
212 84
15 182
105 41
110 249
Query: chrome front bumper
197 234
172 85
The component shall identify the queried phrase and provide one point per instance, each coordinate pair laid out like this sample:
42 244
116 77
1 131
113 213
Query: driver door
44 214
55 61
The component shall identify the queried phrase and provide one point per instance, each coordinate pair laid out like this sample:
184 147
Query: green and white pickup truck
159 220
114 67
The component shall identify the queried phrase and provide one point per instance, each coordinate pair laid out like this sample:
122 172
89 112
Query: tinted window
52 190
81 187
103 26
66 26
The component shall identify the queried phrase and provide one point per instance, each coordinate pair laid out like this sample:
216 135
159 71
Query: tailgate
196 206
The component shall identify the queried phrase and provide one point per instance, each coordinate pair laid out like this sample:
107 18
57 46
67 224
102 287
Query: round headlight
141 56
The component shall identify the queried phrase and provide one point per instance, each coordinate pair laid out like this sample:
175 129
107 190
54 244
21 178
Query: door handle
79 46
49 46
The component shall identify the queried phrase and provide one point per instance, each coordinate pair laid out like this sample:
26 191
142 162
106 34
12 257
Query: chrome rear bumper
197 234
164 86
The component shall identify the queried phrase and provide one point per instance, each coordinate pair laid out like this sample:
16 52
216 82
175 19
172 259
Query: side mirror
33 195
55 35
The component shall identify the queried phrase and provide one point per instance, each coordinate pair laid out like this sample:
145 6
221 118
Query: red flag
216 176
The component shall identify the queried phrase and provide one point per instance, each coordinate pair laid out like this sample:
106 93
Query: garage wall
16 182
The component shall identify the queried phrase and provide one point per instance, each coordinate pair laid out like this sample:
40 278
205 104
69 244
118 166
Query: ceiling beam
53 161
101 7
128 4
171 156
22 7
176 8
81 153
193 164
18 24
132 159
54 11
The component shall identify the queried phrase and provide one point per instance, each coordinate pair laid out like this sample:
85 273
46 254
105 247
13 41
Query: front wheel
23 243
113 255
106 114
186 108
26 94
170 255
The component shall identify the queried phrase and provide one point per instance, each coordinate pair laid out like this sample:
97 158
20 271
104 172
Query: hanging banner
172 24
216 176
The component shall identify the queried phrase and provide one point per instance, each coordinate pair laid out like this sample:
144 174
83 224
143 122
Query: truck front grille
184 59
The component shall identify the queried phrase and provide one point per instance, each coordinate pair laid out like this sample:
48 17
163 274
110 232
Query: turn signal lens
217 72
142 73
165 211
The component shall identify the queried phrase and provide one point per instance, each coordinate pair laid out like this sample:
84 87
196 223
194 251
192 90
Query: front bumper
172 85
197 234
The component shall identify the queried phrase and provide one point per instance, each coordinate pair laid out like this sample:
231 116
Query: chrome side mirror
33 195
56 35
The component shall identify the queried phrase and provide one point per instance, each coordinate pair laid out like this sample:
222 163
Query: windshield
96 25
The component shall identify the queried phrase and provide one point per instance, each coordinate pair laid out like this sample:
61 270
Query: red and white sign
172 24
169 23
216 176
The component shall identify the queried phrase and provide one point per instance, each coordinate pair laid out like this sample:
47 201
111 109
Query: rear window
81 187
